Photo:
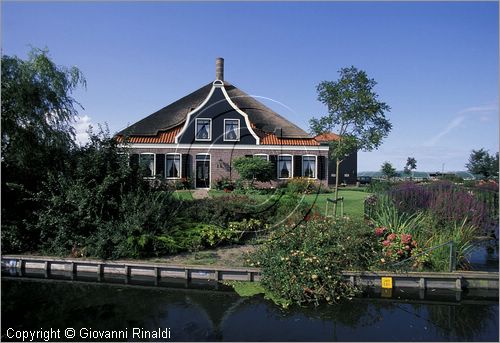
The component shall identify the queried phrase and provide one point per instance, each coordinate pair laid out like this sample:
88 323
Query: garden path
200 193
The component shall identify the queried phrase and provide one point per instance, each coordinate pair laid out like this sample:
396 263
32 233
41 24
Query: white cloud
81 127
451 125
455 122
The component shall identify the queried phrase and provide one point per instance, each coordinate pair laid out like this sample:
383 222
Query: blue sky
436 64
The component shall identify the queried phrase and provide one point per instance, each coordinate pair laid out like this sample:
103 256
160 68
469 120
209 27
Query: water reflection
201 314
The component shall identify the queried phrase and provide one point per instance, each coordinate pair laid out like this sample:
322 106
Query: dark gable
217 109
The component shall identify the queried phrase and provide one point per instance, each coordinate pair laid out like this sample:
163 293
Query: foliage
443 200
102 205
224 183
303 263
426 228
411 164
482 163
354 113
388 170
37 112
301 185
254 169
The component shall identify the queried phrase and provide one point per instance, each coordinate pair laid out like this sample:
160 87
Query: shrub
443 200
254 169
303 263
301 185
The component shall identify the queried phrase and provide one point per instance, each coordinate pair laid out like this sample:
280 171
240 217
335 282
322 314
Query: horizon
436 64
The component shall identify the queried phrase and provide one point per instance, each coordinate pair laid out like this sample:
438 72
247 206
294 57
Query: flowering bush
303 263
399 247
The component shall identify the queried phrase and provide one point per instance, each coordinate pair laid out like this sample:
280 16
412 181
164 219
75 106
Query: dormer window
231 130
203 129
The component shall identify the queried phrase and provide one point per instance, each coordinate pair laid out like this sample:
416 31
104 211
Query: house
198 136
348 169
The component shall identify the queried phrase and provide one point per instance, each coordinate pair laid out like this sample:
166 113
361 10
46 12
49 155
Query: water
214 314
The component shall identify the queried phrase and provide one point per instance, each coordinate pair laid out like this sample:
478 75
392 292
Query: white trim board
194 146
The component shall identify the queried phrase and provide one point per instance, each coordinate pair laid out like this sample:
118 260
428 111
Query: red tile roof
162 137
272 139
327 137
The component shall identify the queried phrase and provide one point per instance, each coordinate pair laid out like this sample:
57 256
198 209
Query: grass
183 195
353 200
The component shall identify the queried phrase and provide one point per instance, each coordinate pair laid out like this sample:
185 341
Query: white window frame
237 131
315 166
179 169
291 168
196 131
266 155
154 164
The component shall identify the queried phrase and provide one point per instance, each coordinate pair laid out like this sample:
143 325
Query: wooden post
249 276
157 273
186 274
421 283
216 275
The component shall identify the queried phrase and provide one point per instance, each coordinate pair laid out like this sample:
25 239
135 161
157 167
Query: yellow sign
387 282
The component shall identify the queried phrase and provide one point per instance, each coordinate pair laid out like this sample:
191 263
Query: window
203 129
173 165
284 166
231 129
309 166
263 156
147 162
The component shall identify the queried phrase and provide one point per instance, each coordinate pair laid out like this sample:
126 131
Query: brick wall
220 160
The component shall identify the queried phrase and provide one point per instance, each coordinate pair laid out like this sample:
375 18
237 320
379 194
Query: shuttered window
160 165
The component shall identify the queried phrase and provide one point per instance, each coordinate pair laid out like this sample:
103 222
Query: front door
203 171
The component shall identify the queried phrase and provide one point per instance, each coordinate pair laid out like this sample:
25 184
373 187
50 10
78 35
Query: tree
388 170
411 164
482 163
354 112
254 169
37 136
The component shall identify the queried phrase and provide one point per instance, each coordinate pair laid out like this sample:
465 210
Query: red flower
405 239
380 231
386 243
400 252
391 237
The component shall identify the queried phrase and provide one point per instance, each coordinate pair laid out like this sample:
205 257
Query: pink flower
407 247
386 243
391 237
400 252
405 239
380 231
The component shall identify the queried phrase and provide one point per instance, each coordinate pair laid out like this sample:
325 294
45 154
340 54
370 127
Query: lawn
353 200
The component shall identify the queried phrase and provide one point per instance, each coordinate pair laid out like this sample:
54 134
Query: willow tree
354 113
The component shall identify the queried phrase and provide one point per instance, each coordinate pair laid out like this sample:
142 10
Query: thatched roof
261 116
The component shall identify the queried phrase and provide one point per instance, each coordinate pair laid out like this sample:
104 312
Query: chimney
219 68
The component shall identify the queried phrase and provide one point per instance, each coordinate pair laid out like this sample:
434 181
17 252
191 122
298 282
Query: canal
212 312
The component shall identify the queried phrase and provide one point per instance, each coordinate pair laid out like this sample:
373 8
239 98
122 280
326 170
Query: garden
92 202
